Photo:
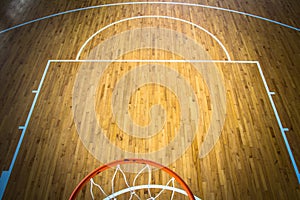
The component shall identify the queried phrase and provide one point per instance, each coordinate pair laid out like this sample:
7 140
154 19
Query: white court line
6 174
161 61
153 16
165 3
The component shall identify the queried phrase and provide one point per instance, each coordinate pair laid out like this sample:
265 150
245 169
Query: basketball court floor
209 89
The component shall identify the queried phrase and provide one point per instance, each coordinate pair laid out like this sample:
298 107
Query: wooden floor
236 149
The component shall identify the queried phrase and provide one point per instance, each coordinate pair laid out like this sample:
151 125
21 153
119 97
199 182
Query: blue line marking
6 174
280 124
132 3
3 182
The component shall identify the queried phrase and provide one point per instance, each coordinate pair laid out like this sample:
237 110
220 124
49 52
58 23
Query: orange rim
129 161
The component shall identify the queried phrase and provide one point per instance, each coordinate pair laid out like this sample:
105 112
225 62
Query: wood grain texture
249 161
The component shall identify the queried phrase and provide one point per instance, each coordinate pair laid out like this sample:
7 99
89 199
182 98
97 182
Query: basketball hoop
132 189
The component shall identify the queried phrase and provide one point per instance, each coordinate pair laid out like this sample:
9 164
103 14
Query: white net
133 188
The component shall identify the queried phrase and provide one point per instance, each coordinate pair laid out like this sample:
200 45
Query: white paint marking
34 91
153 16
6 174
272 93
165 3
161 61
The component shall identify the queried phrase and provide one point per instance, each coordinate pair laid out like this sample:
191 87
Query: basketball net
132 189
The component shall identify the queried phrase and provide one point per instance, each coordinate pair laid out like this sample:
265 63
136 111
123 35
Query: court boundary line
152 16
163 3
5 175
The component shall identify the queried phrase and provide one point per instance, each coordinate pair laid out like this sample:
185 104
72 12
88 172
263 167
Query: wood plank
249 160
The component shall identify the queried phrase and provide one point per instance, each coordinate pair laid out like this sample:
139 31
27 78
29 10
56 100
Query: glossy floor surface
205 90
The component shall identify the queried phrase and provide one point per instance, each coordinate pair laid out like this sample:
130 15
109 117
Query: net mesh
140 185
132 188
132 179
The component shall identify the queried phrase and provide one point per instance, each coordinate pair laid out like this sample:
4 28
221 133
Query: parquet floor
186 86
